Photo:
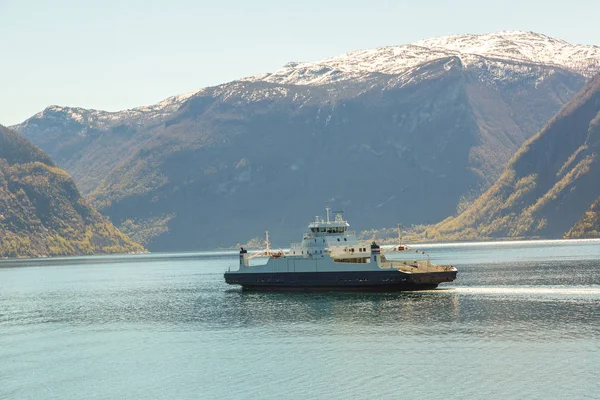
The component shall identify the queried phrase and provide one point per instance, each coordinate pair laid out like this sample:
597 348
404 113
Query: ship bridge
321 227
324 235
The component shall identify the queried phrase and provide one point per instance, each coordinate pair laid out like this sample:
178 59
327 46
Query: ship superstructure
330 257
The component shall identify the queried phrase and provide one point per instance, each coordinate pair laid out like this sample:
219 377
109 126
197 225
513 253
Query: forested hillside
589 225
41 210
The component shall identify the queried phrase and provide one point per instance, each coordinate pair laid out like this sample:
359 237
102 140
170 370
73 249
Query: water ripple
171 328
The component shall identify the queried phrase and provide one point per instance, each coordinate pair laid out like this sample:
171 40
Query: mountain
405 133
41 211
548 185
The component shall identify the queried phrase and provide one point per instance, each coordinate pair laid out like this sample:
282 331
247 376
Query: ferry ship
330 257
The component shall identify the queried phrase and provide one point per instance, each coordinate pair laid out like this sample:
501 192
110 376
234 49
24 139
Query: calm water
522 321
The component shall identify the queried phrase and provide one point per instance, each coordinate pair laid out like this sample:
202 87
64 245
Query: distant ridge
521 46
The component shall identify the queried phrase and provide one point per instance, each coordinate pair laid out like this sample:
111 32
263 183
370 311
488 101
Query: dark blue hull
345 281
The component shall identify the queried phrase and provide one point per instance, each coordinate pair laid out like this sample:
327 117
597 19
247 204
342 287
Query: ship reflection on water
256 308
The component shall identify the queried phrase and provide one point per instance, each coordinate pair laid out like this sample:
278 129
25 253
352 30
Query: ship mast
267 242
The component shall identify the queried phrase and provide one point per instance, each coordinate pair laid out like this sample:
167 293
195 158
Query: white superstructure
329 246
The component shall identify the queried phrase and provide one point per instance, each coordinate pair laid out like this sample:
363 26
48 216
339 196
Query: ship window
345 239
338 239
360 249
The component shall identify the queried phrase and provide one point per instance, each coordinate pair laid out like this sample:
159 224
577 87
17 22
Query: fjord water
521 321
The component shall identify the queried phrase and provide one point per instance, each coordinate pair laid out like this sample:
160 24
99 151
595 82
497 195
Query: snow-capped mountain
504 55
435 121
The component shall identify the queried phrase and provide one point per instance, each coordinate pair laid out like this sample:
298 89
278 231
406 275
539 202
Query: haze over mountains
396 134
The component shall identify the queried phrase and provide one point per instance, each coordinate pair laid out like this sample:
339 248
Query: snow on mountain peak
99 118
519 46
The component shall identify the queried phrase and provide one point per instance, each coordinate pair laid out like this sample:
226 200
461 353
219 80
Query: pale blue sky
113 54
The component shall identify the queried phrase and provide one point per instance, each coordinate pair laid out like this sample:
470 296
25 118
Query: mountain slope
407 133
589 225
548 185
41 211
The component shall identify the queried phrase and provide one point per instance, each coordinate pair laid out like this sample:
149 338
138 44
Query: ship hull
380 281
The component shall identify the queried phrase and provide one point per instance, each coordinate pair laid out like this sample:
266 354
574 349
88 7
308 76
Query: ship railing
405 251
397 249
312 235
